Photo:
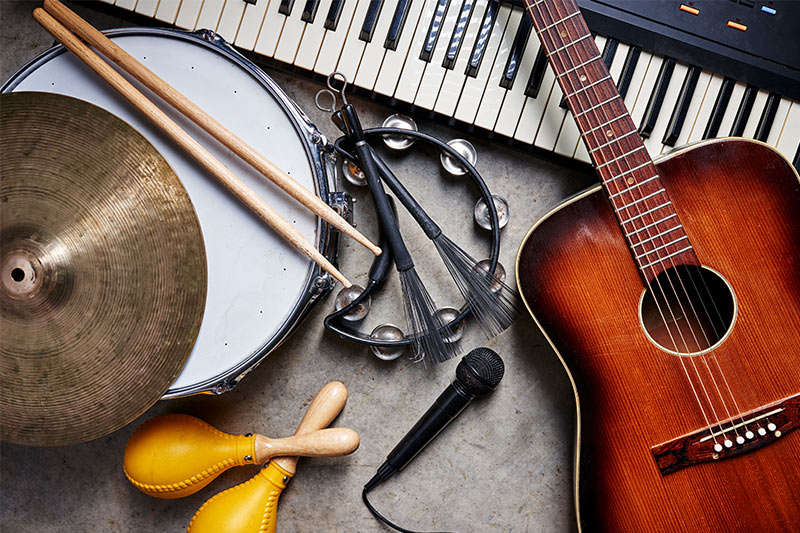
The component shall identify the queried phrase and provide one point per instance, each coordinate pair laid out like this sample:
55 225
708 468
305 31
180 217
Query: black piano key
720 105
626 75
657 97
370 20
744 111
286 7
429 45
796 160
310 11
537 75
457 38
767 117
681 106
397 24
515 56
252 2
334 13
487 25
609 50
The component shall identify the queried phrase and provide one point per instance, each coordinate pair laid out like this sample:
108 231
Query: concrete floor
505 465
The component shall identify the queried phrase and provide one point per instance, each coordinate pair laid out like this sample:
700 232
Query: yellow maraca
173 456
251 507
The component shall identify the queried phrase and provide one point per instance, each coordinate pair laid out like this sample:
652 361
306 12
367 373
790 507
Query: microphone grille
480 371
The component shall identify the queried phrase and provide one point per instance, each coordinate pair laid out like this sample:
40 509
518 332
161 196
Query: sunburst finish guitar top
671 293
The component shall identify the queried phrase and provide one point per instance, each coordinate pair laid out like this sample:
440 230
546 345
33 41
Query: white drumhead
255 280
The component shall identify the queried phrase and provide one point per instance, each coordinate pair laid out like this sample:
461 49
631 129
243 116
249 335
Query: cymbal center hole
17 274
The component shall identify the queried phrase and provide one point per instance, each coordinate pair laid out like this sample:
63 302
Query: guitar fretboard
647 217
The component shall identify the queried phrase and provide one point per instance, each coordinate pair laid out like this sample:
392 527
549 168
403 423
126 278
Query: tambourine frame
335 322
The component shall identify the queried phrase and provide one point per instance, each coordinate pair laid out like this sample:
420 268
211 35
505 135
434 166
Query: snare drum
259 287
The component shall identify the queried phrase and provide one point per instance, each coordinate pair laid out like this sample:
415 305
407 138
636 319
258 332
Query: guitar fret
601 104
640 215
679 239
577 67
673 254
629 189
562 48
673 215
601 80
642 199
626 154
657 235
554 24
609 143
603 125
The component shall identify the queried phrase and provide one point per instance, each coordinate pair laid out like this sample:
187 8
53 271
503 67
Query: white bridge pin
749 435
771 426
739 440
762 431
718 447
728 443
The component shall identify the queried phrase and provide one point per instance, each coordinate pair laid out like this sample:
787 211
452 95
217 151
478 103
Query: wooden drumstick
192 111
237 187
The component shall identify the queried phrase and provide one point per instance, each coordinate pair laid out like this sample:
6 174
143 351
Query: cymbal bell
102 271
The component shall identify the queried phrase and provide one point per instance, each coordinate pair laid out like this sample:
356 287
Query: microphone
477 374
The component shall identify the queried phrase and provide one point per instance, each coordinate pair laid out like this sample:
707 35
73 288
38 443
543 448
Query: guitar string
661 289
577 28
720 395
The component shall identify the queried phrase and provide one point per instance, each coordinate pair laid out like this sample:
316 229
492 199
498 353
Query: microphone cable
379 516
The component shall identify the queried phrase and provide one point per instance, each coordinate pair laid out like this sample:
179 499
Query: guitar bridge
741 434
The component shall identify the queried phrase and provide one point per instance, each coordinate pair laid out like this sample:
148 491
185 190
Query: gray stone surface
505 465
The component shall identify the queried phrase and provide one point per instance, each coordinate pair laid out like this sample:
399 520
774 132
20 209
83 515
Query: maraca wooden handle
327 404
329 442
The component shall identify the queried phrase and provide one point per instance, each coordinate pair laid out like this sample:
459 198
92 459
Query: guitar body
739 202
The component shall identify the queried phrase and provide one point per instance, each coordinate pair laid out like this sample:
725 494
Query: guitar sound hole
688 310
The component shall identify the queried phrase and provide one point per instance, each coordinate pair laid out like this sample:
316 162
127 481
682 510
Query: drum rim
314 144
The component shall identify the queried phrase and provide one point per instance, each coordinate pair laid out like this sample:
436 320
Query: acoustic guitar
671 294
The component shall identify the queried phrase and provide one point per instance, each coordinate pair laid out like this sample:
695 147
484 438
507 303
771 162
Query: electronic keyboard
687 71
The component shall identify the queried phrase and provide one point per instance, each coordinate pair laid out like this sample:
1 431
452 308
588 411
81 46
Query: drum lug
342 203
321 285
211 37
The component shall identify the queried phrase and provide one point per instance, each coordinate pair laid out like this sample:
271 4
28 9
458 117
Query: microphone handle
446 407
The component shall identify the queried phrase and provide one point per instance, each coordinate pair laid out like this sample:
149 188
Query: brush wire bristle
426 329
495 304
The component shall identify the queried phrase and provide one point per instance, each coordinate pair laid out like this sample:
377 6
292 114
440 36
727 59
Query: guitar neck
642 206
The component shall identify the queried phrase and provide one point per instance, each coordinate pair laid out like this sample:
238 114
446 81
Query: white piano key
755 114
251 25
789 136
552 120
413 67
230 20
646 88
209 14
704 113
270 30
126 4
493 96
569 136
393 60
653 142
187 15
532 113
374 51
433 76
311 42
732 109
455 78
778 123
292 34
333 42
474 87
619 61
514 101
146 7
168 10
353 47
695 104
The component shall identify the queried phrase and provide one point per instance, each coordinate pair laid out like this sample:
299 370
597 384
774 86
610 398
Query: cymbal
102 271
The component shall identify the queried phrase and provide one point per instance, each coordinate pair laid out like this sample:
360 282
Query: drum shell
308 285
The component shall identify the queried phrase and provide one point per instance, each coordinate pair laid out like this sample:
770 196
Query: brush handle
402 259
329 442
431 229
379 269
